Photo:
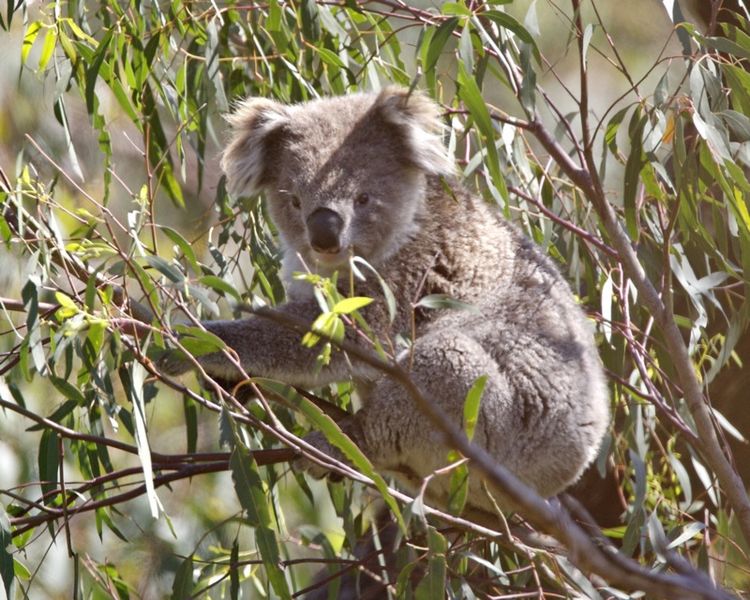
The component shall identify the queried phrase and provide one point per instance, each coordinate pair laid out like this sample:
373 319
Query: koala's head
343 175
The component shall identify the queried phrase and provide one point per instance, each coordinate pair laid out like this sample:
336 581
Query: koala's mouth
332 259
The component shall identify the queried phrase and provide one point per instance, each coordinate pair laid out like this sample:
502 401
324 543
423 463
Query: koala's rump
540 413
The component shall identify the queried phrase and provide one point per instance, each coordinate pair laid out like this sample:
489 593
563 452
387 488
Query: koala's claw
351 427
318 441
172 362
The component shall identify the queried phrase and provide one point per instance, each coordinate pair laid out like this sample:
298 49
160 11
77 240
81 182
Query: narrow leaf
433 584
49 462
437 43
6 558
137 376
471 406
443 301
249 488
28 39
349 305
50 38
182 587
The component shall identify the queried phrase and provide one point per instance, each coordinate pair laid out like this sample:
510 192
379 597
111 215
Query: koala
368 175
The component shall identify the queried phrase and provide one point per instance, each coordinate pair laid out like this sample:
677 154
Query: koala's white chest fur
368 175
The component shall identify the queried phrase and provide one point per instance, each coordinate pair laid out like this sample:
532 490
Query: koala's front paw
317 440
173 362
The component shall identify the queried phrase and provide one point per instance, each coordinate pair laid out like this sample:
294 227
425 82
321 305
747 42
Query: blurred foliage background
579 120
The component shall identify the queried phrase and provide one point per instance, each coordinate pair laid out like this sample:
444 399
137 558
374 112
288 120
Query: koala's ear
418 117
255 125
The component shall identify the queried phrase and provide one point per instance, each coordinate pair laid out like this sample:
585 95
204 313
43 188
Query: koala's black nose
324 227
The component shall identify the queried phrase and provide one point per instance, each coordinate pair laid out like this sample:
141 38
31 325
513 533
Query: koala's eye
294 200
362 199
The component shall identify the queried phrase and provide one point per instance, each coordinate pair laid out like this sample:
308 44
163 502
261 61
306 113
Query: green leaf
57 415
433 584
505 21
684 478
587 35
32 31
95 335
5 230
220 285
69 391
173 188
403 587
633 167
688 532
459 485
471 95
7 575
436 42
249 486
49 463
640 479
330 58
739 82
21 571
78 32
738 123
443 301
92 73
683 29
170 271
724 45
198 341
252 496
349 305
466 48
68 308
184 246
527 93
48 48
390 299
471 406
310 14
327 325
613 126
135 378
190 410
716 139
455 8
182 587
234 575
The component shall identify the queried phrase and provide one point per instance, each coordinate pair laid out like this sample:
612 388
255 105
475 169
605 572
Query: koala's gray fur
545 405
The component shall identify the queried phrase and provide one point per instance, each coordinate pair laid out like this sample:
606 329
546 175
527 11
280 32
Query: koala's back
545 405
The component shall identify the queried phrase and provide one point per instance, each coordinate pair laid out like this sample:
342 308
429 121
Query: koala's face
343 187
343 176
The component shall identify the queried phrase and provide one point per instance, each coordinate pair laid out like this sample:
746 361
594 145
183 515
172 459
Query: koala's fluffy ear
418 117
255 125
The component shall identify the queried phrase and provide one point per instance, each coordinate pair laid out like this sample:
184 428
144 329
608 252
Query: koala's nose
324 227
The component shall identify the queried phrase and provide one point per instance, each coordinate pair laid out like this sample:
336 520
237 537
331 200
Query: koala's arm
272 347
